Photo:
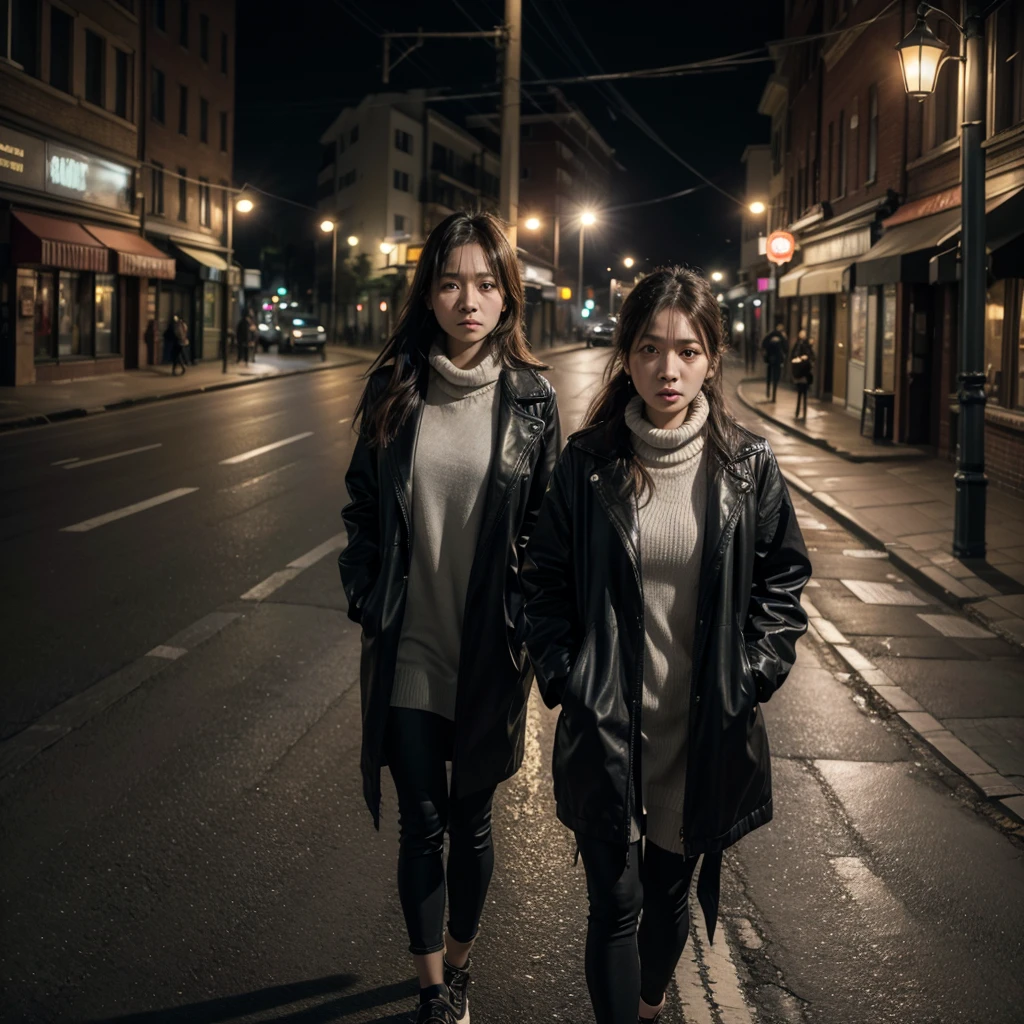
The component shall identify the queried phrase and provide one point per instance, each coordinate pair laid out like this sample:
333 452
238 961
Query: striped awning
131 254
53 242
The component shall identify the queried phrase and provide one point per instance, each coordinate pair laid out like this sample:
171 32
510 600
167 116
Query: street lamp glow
921 54
327 226
628 262
352 240
717 276
757 302
532 223
587 219
720 297
244 206
757 207
387 248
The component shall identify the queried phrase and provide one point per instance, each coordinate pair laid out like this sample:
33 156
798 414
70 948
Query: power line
652 202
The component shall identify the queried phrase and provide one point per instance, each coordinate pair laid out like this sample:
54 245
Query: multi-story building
186 126
73 268
747 299
872 195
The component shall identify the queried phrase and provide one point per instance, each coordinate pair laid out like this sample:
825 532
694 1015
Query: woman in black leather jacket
662 587
458 434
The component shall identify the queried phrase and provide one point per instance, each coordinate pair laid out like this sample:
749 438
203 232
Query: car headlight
263 327
321 328
296 334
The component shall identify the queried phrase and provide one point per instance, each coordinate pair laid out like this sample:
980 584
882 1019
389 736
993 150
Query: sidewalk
900 499
37 404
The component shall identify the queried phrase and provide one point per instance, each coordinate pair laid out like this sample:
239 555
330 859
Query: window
223 131
995 306
204 202
156 192
327 156
105 308
401 181
43 327
403 141
563 178
854 178
95 68
183 26
872 135
62 29
26 35
183 110
945 102
223 53
858 324
122 76
829 165
158 103
204 38
1007 68
887 363
347 179
399 224
353 136
160 14
204 120
74 313
182 194
842 155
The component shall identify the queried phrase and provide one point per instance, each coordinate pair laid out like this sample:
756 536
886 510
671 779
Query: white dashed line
166 651
245 456
336 543
78 464
278 579
129 510
266 587
64 462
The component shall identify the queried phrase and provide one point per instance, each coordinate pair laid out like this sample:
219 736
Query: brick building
871 192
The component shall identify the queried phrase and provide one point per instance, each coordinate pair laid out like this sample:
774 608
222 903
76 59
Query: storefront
71 262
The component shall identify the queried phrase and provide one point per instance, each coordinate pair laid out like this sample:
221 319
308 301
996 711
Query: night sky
300 63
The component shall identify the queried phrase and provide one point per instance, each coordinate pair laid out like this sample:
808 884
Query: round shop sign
780 247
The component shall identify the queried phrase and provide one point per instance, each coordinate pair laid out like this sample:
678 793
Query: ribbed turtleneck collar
485 372
664 448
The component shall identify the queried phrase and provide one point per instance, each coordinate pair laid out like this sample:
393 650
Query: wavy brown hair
665 288
408 348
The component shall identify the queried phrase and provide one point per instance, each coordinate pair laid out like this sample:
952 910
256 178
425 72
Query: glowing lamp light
359 307
739 305
383 307
738 327
757 302
327 226
532 223
628 262
921 54
589 303
587 219
720 297
584 312
757 207
282 291
564 293
387 248
352 240
717 276
244 206
275 299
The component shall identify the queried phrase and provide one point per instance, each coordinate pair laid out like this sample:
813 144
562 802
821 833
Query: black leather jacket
490 712
584 633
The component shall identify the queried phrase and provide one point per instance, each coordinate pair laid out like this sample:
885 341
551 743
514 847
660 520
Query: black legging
772 380
418 745
801 397
624 963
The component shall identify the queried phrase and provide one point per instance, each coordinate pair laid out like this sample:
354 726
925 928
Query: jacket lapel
400 455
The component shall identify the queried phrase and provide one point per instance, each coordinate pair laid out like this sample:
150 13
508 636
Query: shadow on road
229 1008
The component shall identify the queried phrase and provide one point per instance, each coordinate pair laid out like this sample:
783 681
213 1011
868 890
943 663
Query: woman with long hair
458 434
662 586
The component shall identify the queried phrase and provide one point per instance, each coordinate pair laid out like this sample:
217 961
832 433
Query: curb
46 419
820 442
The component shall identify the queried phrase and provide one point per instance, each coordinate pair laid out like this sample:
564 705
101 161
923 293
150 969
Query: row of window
21 41
156 195
158 110
74 314
1004 345
331 150
184 31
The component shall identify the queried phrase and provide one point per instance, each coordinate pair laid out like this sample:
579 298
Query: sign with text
21 159
89 179
781 246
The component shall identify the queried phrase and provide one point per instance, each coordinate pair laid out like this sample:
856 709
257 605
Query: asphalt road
182 830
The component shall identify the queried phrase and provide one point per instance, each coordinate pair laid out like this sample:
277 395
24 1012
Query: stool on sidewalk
882 406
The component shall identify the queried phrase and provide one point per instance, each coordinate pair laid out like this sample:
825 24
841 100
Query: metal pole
510 88
334 283
230 205
579 277
969 513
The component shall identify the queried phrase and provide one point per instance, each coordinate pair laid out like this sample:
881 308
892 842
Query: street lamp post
244 205
332 226
922 55
587 219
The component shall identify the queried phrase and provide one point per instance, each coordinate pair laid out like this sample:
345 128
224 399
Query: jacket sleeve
550 446
775 617
359 560
550 627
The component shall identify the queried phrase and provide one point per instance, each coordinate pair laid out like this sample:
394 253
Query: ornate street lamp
921 55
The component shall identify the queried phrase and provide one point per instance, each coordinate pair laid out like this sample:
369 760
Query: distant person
176 336
774 346
801 369
244 337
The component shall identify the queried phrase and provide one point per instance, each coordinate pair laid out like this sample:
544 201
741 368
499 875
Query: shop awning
210 265
1004 241
132 254
826 278
788 282
902 253
55 243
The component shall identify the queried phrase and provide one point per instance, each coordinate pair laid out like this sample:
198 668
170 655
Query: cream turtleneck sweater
454 447
671 543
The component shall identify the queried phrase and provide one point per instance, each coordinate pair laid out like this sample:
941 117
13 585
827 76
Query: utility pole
510 103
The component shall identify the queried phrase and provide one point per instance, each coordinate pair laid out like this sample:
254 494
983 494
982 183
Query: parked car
600 331
293 332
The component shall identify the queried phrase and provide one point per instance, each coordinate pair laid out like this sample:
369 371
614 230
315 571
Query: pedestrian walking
801 369
244 337
458 434
775 347
176 336
662 605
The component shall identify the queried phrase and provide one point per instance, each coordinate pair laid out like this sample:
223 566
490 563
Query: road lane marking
166 651
263 476
864 553
78 464
64 462
270 584
129 510
954 626
336 543
881 593
265 448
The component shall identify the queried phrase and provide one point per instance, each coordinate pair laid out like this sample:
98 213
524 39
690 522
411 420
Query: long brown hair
689 293
417 329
